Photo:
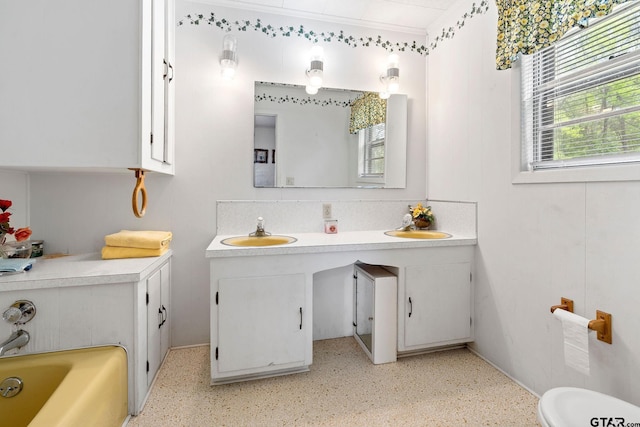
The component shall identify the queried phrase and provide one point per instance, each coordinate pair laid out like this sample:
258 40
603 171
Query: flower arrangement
20 234
422 216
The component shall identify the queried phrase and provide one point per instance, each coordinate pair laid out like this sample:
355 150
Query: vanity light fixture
229 59
315 72
391 79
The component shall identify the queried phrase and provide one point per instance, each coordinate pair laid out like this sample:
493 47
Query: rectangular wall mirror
336 138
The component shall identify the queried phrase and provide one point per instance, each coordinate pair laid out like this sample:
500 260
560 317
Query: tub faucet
18 339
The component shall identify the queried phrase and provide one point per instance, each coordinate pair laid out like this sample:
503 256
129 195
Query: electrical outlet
326 210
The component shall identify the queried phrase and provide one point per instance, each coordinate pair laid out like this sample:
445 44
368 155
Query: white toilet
570 406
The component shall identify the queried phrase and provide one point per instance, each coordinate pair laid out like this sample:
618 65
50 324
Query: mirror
303 140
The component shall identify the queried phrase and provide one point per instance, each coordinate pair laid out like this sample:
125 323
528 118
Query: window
581 96
371 152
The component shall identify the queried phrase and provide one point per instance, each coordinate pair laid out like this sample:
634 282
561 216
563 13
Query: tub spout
18 339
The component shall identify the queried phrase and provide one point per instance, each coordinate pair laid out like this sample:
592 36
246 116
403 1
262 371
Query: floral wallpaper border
340 36
303 101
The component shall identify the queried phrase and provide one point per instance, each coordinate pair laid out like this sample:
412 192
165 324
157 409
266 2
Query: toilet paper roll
576 340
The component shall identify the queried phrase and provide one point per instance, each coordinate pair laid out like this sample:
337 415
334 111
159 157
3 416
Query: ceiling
402 15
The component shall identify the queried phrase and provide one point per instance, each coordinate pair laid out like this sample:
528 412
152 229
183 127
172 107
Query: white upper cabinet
87 84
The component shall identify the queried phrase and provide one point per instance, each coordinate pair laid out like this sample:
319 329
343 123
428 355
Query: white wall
537 242
214 152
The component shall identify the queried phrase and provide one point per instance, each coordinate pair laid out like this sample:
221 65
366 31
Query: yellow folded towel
113 252
139 239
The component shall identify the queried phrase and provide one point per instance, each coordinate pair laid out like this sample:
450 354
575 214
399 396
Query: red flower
22 234
5 204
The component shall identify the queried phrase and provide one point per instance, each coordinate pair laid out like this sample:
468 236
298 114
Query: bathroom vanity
84 301
262 297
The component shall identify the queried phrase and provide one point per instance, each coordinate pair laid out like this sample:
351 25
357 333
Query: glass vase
16 249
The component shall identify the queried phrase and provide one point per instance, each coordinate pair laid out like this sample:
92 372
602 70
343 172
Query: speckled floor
343 388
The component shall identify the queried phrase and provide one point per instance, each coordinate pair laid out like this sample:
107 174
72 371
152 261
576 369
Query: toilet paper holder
601 324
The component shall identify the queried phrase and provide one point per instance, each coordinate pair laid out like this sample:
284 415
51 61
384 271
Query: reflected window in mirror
371 153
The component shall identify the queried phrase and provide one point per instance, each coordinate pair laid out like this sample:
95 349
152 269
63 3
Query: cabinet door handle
160 322
300 317
167 67
410 306
164 315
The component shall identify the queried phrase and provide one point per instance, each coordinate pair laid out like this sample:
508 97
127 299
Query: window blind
372 151
581 96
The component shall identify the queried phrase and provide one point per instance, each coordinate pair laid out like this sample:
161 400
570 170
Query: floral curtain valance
526 26
367 111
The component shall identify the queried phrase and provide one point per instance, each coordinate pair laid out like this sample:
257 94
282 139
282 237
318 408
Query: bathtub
85 387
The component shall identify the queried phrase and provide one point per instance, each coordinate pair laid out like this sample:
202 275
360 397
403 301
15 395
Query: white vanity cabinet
87 84
261 327
158 321
262 298
435 305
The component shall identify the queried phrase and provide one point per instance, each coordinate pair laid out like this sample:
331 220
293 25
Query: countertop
78 270
340 242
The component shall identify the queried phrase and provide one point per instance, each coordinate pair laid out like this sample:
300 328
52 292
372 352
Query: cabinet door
437 304
154 324
158 338
161 80
165 302
260 323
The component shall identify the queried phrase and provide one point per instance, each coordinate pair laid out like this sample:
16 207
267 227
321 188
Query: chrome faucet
18 339
407 223
260 229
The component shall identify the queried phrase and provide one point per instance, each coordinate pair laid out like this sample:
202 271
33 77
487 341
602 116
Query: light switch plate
326 210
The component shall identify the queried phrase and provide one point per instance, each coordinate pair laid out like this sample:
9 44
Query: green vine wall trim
482 8
328 37
303 101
